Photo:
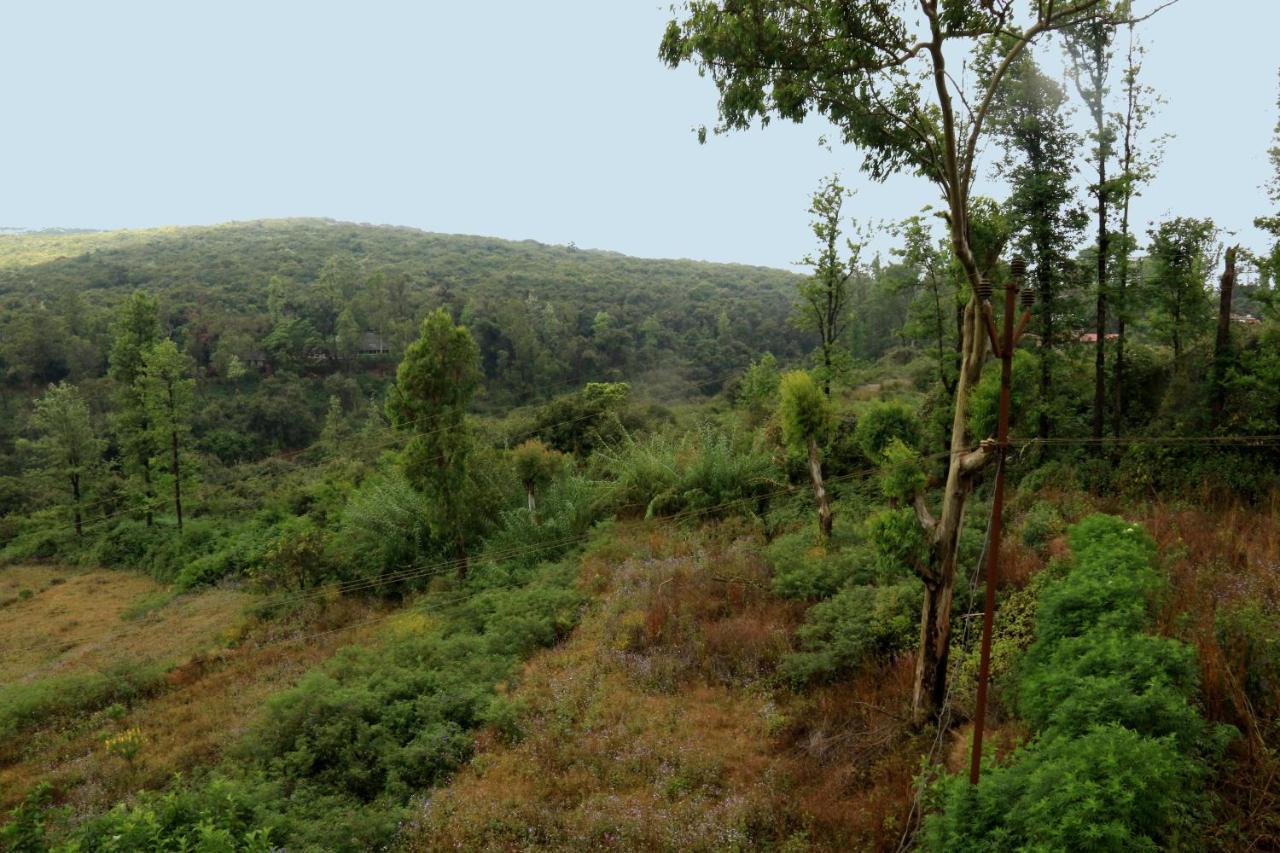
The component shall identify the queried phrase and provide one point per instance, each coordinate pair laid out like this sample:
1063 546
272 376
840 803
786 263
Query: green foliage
842 632
1119 753
806 414
1112 789
377 724
881 425
704 470
758 390
1251 630
434 384
1176 287
67 446
901 475
1042 522
585 420
898 539
385 522
1110 586
25 830
804 568
984 400
25 705
825 297
1114 676
219 816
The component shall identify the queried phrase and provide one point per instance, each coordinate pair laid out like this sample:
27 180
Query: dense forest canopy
545 316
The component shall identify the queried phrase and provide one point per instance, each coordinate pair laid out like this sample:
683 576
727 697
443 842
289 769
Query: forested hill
276 293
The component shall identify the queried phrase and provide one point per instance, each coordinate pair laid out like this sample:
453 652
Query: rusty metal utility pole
1002 345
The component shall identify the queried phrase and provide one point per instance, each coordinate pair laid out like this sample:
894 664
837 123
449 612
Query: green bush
1106 676
1111 789
898 539
25 706
1119 754
1041 523
704 470
26 831
881 424
860 621
1108 587
804 568
219 816
379 723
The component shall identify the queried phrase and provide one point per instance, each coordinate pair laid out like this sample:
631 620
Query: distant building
371 343
1246 319
1092 337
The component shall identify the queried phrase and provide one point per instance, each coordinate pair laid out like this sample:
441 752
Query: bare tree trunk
532 504
819 491
1222 347
943 533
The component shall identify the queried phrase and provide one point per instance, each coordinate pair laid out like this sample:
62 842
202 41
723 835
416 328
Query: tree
1181 264
824 297
536 465
1137 166
937 312
1031 119
1222 355
168 394
67 445
758 390
880 73
434 385
137 329
336 433
1269 266
806 418
1088 43
347 337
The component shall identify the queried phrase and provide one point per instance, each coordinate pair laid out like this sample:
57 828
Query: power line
430 569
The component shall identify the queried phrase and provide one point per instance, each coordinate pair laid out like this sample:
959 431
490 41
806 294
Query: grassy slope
656 725
222 664
241 252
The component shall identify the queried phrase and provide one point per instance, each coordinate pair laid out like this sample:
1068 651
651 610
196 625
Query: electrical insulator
1028 297
984 289
1018 266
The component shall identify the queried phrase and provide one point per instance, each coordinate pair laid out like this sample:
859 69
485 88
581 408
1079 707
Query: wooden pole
1003 349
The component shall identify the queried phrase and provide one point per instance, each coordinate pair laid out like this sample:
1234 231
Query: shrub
218 816
804 568
26 706
382 722
860 621
1107 676
1041 523
899 541
880 425
703 470
25 831
1119 754
1110 790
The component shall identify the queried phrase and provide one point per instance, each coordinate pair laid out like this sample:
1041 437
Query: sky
551 121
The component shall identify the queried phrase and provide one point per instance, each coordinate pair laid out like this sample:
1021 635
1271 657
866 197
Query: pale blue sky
551 120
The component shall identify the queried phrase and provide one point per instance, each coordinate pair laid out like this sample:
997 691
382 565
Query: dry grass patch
658 725
222 665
